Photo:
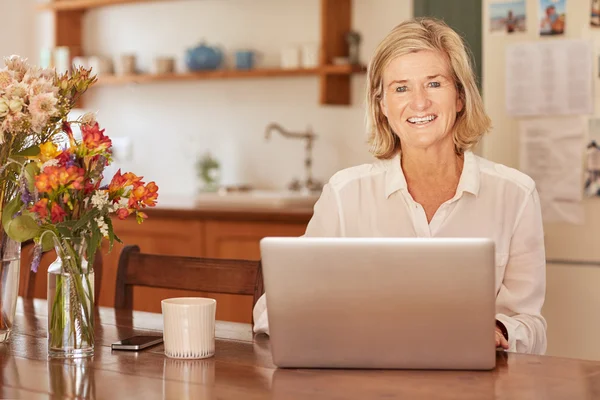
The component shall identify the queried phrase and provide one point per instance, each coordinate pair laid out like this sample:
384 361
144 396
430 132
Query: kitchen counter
186 207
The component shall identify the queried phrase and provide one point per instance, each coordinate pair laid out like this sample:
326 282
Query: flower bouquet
59 200
33 102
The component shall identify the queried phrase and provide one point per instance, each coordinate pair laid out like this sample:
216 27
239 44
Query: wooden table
242 369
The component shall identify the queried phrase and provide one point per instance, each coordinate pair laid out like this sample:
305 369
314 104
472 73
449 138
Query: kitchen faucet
309 136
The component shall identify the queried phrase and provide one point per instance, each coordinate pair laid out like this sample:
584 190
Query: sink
257 199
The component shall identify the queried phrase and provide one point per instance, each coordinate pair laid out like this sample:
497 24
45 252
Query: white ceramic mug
189 327
310 55
290 57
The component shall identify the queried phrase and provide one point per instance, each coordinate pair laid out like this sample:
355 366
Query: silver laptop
406 303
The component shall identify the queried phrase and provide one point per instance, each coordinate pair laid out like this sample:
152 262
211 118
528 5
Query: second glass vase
70 301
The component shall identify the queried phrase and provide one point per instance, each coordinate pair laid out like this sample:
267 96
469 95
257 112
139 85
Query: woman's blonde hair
409 37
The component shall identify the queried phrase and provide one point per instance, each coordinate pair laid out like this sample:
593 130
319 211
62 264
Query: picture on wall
595 15
592 163
553 16
508 16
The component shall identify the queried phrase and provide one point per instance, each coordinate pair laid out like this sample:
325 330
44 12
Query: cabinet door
240 240
157 236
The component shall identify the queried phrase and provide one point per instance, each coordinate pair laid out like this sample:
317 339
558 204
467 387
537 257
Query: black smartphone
137 343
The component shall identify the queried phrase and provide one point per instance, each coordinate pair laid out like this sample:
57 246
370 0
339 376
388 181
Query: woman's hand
500 340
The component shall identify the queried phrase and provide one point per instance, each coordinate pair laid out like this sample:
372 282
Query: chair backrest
211 275
34 284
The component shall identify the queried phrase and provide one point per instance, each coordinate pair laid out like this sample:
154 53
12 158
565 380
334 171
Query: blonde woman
425 115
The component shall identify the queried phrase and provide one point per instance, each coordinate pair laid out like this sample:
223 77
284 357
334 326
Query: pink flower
14 123
43 105
6 79
17 89
17 65
123 213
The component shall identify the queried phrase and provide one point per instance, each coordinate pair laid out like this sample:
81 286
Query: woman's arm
521 296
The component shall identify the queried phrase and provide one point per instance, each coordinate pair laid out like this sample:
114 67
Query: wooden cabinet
199 234
240 240
336 21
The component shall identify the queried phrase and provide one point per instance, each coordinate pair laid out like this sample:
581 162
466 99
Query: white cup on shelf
310 55
189 327
290 57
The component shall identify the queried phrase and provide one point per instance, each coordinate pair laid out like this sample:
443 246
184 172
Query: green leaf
47 242
31 170
83 221
10 210
64 231
29 152
111 234
22 228
93 242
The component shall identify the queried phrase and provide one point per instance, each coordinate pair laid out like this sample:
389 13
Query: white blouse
492 201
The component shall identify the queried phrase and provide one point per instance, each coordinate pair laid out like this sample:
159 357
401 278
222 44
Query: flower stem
77 318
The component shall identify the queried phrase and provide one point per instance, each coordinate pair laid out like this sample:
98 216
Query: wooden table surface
242 369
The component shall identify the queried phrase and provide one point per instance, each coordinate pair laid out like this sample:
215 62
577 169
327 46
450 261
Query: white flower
4 107
102 226
100 199
15 105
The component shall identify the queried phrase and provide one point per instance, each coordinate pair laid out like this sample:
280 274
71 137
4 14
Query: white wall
572 306
170 123
18 29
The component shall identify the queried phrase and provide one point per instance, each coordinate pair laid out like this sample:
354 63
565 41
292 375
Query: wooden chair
34 284
211 275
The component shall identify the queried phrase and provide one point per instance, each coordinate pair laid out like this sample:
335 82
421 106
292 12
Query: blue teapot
203 57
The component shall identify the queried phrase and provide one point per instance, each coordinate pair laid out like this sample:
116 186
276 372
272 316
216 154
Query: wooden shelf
64 5
108 80
343 69
334 80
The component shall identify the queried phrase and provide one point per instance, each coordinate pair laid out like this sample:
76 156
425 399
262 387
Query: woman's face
420 99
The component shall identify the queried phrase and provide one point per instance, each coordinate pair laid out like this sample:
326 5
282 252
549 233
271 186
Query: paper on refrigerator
549 78
551 154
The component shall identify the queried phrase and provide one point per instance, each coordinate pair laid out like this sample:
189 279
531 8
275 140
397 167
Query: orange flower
47 181
54 177
40 208
152 194
57 213
133 179
94 139
117 182
72 177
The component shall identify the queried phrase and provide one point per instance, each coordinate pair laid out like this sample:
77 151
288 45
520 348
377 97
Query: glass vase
10 253
70 301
